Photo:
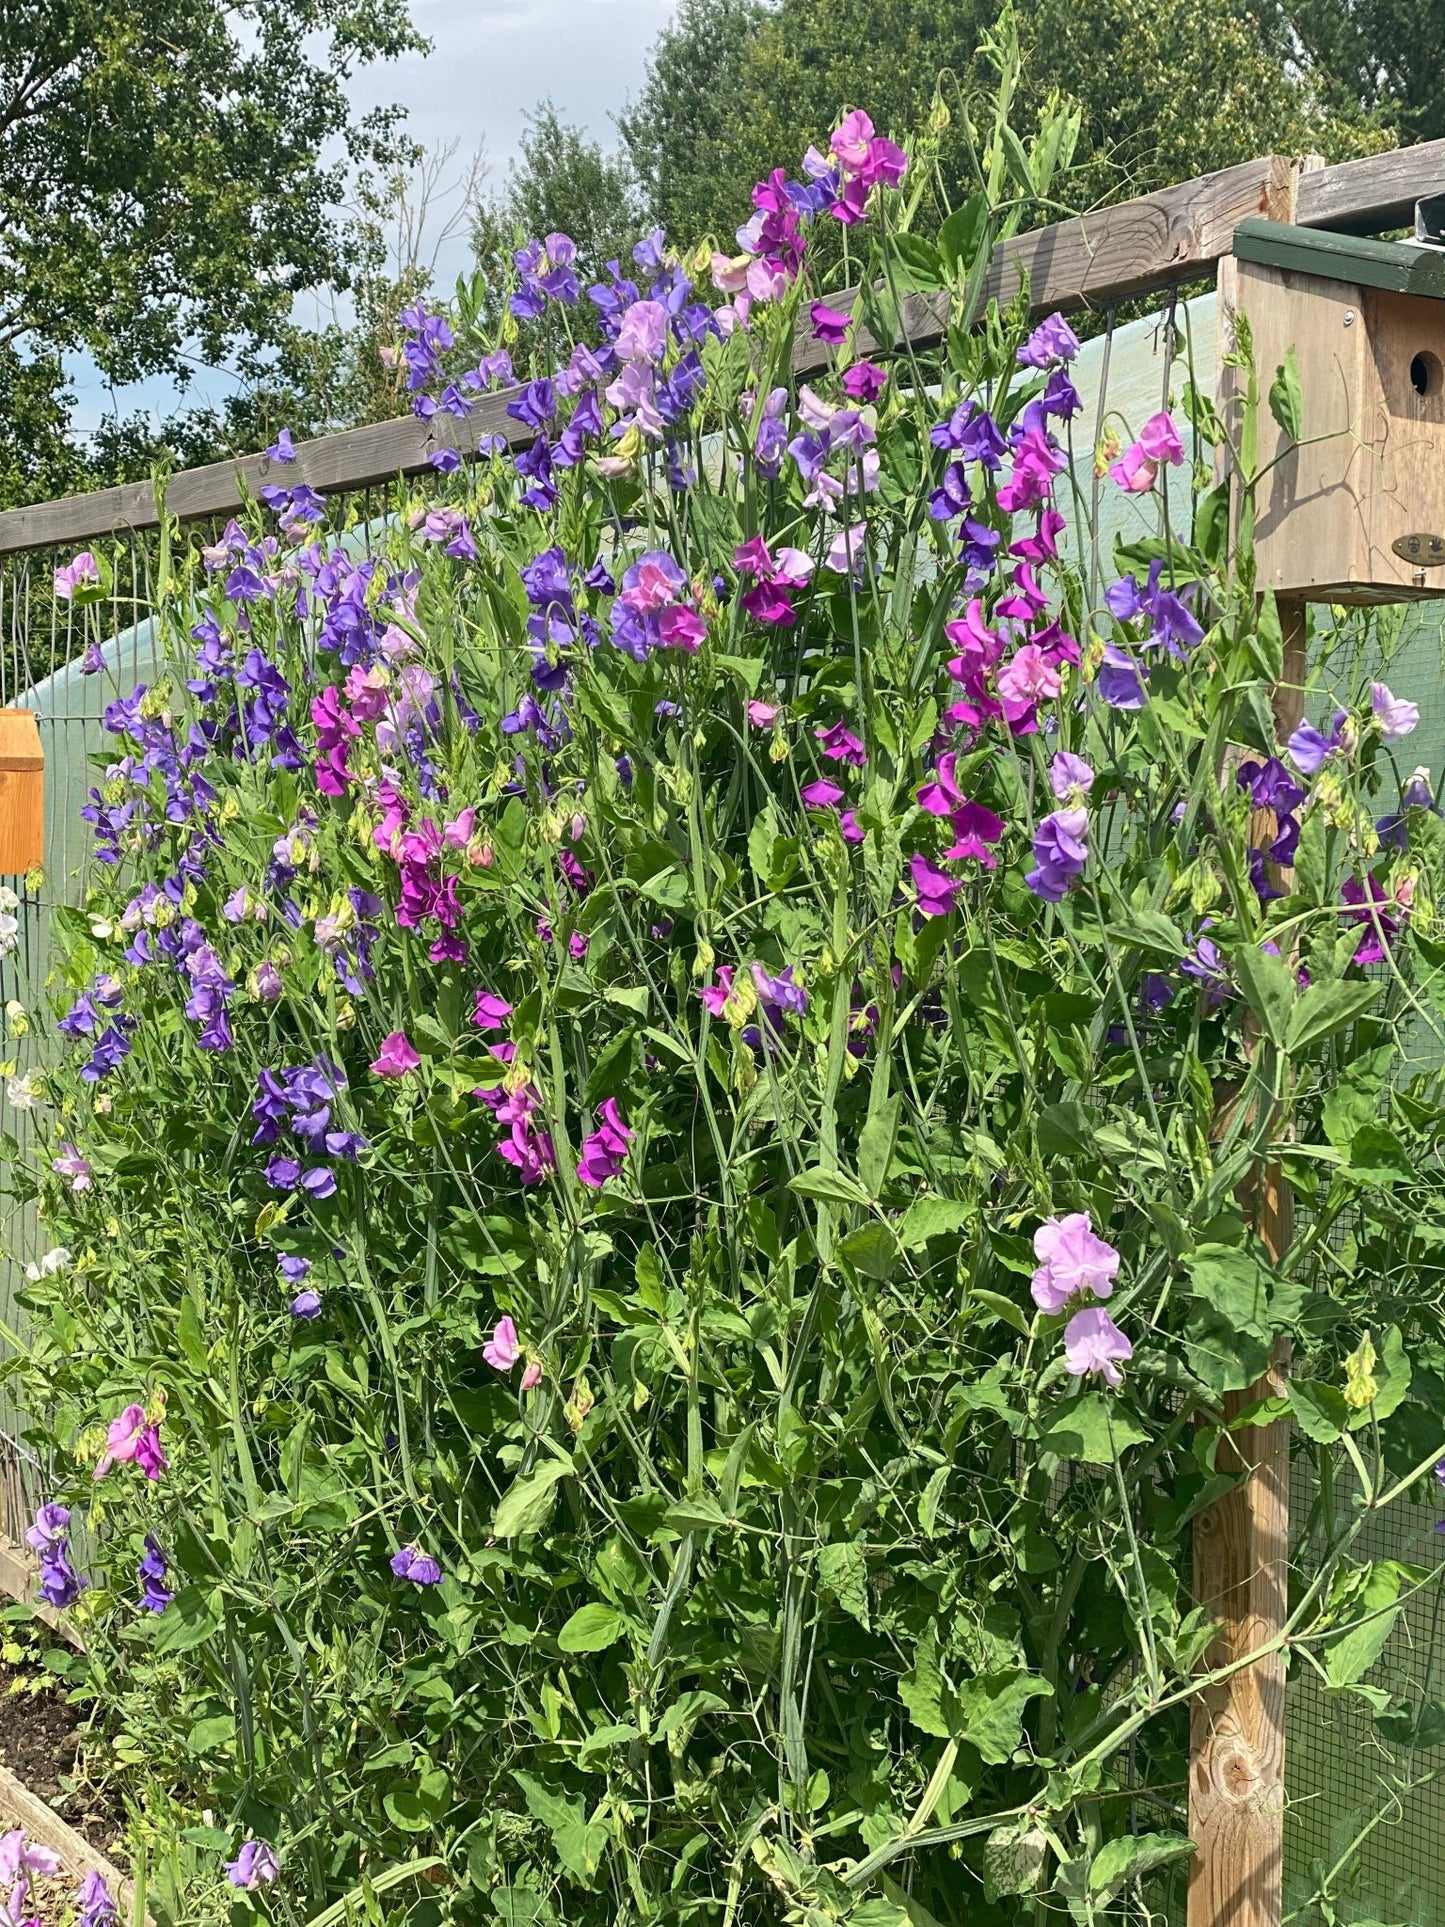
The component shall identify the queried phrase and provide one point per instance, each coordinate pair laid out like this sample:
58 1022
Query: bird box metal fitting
1354 510
22 793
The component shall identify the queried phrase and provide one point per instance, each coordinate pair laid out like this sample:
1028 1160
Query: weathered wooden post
1351 510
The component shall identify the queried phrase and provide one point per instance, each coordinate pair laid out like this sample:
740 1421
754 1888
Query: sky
491 61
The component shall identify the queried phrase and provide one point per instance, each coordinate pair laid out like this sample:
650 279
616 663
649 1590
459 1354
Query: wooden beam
1375 194
1157 241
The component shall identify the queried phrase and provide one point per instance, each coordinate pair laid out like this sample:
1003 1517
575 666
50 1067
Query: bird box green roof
1403 267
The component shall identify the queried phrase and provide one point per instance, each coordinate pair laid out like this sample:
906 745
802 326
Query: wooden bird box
1355 510
22 793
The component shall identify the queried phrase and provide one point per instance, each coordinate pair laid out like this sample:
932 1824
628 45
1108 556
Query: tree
1385 54
563 182
171 172
681 135
1168 89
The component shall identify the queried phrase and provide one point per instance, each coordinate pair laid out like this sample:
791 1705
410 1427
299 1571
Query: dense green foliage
814 1571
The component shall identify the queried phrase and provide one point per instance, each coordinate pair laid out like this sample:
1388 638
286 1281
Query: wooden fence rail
1157 241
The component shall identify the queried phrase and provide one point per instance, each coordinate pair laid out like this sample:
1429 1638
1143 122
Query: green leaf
918 265
526 1506
1355 1100
1392 1380
190 1337
843 1570
830 1187
1149 930
959 237
1320 1410
1349 1655
1081 1430
1131 1856
1234 1284
591 1629
193 1616
407 1810
1378 1158
1413 1726
1266 642
211 1733
1268 985
1286 402
922 1690
993 1705
871 1249
579 1846
1001 1307
602 1741
875 1146
1324 1009
931 1218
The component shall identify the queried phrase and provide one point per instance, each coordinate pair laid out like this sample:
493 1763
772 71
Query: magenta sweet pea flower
396 1056
1159 440
1073 1259
937 893
830 325
502 1349
821 795
865 381
850 141
840 745
604 1152
763 715
490 1012
1093 1343
132 1436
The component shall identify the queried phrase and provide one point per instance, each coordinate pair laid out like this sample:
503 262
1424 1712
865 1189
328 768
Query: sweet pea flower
306 1305
840 745
1309 748
604 1152
851 140
1070 777
1061 852
95 1904
256 1865
396 1056
1137 468
132 1436
502 1349
1072 1259
71 1166
532 1376
1395 717
937 892
846 551
1094 1343
417 1566
830 325
864 381
490 1012
763 715
1052 343
82 570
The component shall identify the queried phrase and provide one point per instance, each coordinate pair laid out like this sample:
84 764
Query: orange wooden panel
22 793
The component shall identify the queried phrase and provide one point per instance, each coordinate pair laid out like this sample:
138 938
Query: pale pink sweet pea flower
532 1377
396 1056
1094 1343
79 571
1073 1258
1029 677
766 283
502 1350
846 552
730 272
643 334
1394 715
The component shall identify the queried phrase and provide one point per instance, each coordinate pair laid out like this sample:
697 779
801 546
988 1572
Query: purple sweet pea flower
417 1566
1061 851
155 1595
1051 343
256 1865
1394 715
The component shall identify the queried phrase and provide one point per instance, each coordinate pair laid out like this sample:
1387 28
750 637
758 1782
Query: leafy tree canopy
171 171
